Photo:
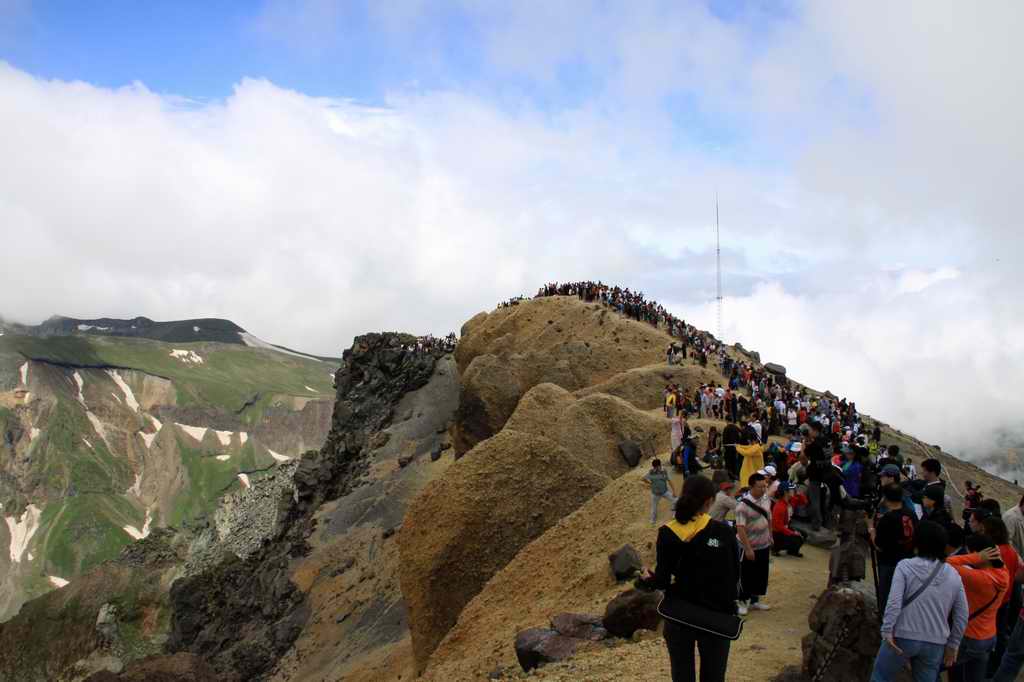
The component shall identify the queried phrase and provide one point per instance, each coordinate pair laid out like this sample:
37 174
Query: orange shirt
980 584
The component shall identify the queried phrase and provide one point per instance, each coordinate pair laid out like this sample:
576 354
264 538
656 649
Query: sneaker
741 608
760 606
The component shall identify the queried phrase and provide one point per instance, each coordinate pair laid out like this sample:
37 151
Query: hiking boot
760 606
741 608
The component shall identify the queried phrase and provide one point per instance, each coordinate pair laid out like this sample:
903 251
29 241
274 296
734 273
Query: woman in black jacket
698 562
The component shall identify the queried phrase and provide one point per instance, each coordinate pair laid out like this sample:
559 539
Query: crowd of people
948 590
430 343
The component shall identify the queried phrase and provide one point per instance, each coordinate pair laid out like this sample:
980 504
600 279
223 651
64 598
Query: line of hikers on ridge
832 473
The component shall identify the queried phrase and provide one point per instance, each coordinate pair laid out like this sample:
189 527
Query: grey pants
655 497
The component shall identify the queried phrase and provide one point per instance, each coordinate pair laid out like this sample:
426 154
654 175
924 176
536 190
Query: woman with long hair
698 564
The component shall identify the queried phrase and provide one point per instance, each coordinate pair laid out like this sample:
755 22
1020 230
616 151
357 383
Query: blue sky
337 167
356 50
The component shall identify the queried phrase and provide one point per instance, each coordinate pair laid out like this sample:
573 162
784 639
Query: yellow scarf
686 531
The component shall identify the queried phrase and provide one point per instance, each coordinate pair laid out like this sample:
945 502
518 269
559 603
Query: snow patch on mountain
22 530
244 478
140 534
224 437
148 438
222 458
87 327
33 434
81 384
157 424
136 488
97 425
256 342
279 458
24 373
129 397
57 582
312 390
189 357
243 437
197 432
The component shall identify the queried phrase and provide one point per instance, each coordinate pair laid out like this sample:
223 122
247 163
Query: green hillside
103 438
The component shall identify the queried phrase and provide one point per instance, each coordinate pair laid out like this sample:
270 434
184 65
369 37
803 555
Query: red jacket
780 518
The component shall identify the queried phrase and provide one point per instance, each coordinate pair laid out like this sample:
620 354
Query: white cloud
867 171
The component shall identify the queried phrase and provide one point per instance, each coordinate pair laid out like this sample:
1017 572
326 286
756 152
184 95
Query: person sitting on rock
657 479
926 613
785 539
698 563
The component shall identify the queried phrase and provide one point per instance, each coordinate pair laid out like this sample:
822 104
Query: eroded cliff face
243 615
222 585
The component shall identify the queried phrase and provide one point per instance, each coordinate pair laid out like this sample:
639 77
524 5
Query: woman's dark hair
892 492
956 536
992 505
996 529
977 542
930 541
697 490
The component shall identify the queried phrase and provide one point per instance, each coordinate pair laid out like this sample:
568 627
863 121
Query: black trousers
714 654
787 543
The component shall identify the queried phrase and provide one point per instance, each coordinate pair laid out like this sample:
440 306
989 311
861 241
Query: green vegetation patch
78 533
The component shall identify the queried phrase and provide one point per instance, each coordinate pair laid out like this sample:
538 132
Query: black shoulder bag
683 612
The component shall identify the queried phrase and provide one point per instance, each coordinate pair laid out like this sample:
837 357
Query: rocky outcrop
176 668
466 526
504 354
844 637
242 615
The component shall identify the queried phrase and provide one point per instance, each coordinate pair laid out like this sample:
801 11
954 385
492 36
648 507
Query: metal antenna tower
718 267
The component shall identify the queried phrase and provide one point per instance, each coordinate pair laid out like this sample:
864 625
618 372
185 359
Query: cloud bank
866 159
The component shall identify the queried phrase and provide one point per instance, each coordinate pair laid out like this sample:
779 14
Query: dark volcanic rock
537 646
625 562
844 619
630 452
242 615
579 625
176 668
631 611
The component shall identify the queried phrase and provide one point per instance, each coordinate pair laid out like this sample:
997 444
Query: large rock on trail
844 637
537 646
631 611
504 354
466 526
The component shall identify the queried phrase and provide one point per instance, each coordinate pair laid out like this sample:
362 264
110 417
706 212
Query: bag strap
928 581
985 607
759 510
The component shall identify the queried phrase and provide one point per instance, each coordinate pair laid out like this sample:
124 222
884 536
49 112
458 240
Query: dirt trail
567 570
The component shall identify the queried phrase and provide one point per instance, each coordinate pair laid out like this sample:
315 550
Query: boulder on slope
537 646
625 562
466 526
